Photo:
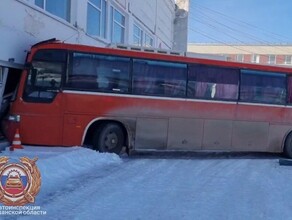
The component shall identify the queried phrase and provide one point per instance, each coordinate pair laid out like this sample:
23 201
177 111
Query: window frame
70 71
240 58
164 62
255 58
115 22
272 59
67 15
146 35
235 70
288 61
138 37
102 26
267 74
62 76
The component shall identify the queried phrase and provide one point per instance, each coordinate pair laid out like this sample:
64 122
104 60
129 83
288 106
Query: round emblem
19 182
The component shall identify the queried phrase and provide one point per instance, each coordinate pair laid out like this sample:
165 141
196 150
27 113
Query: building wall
23 23
282 53
155 18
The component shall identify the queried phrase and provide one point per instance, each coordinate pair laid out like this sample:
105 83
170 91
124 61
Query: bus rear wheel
109 138
288 146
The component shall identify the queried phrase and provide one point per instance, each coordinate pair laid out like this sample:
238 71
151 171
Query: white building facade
91 22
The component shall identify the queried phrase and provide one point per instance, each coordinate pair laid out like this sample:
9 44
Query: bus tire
288 146
109 138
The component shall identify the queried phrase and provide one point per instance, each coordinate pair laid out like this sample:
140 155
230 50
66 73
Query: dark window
44 78
50 56
263 87
99 73
289 90
213 82
159 78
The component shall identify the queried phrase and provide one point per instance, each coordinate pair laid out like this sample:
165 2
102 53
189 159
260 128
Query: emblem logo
19 182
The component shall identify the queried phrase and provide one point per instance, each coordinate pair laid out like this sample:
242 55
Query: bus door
40 108
9 80
3 77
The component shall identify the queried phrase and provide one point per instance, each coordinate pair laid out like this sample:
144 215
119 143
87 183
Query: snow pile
58 165
59 169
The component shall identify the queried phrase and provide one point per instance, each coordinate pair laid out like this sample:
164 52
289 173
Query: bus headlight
15 118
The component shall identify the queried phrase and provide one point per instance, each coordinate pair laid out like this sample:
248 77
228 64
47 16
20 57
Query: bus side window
114 74
99 73
263 87
210 82
159 78
84 74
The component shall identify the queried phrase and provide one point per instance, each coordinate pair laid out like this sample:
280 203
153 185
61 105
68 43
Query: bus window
99 73
210 82
44 78
263 87
159 78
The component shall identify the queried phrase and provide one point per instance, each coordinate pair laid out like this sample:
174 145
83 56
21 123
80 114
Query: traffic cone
16 143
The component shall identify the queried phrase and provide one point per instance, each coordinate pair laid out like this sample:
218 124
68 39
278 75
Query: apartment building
276 54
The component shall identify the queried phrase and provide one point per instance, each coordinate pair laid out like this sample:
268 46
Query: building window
239 57
60 8
118 22
149 42
227 57
271 59
255 58
137 35
96 18
288 59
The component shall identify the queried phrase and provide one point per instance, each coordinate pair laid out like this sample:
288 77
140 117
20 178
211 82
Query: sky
240 21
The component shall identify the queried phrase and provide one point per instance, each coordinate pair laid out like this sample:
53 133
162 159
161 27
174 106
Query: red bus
75 95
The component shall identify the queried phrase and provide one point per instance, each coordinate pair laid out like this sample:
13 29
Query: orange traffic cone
16 143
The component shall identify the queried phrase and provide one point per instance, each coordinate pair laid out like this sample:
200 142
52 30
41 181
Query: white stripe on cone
16 143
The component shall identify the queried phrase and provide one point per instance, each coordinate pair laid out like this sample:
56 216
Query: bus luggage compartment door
151 134
185 134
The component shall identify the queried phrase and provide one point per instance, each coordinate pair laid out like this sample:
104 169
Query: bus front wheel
109 138
288 146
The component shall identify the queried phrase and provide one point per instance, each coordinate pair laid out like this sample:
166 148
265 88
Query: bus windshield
45 76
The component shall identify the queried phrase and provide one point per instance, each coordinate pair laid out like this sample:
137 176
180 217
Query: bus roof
55 44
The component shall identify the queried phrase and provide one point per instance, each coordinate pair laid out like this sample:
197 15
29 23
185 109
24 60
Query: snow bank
58 164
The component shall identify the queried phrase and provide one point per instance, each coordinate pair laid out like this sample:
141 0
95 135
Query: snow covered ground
79 183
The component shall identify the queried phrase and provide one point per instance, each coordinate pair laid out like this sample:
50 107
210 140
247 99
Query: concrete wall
181 25
157 17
